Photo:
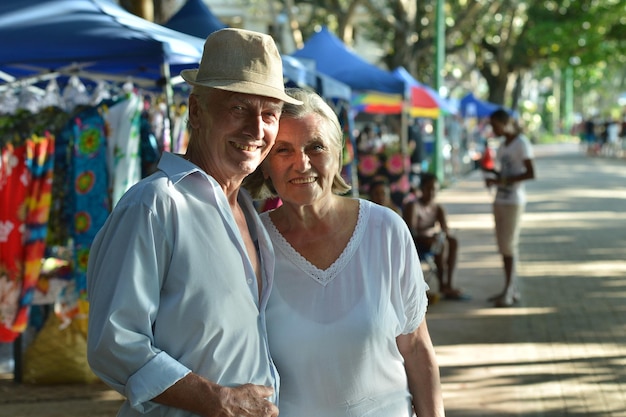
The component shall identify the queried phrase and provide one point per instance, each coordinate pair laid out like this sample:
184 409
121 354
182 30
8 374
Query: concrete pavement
560 352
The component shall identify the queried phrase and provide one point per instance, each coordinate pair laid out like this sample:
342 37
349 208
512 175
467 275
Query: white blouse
332 332
510 161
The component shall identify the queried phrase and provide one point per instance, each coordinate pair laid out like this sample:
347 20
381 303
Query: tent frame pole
437 158
169 102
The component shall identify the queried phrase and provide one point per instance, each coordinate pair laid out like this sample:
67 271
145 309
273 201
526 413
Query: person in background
454 133
380 194
180 274
513 166
346 318
416 148
589 136
428 224
612 138
149 151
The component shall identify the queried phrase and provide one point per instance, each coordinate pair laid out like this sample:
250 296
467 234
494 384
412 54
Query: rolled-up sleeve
127 263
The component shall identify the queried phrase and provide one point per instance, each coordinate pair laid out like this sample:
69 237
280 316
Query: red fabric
271 204
421 97
14 178
26 193
487 161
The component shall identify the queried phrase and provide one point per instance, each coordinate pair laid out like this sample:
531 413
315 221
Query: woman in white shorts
514 165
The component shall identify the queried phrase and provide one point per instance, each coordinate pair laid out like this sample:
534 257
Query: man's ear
194 111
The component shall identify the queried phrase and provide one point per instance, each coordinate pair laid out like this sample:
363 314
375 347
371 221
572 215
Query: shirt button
249 281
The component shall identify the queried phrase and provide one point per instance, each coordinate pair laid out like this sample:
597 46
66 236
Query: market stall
65 163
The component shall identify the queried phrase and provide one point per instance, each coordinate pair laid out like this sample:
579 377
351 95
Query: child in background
380 193
427 221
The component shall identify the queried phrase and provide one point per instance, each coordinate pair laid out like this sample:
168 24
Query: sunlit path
562 350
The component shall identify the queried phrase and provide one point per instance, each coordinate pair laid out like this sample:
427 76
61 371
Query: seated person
381 194
427 221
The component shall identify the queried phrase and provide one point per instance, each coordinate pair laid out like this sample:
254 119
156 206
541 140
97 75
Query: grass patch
549 138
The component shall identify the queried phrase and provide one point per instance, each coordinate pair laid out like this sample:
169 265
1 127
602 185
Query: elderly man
179 276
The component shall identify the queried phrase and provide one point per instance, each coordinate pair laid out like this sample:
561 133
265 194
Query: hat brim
239 86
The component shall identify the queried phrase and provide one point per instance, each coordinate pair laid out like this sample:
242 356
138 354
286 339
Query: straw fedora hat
241 61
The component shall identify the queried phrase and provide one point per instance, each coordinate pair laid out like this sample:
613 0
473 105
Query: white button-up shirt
172 290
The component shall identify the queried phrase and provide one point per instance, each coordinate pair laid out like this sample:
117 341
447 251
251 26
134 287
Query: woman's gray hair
260 187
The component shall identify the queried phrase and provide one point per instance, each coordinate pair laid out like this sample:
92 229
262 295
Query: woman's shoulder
522 140
381 215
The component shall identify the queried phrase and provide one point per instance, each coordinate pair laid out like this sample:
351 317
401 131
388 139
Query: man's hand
246 401
205 398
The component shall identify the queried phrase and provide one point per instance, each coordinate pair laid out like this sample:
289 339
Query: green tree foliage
507 37
590 36
506 41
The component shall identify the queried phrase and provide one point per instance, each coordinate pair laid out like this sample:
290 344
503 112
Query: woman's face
303 163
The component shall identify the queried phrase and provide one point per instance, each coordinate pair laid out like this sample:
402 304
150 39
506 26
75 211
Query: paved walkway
560 352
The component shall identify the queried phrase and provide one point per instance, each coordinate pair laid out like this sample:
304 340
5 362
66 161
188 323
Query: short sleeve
413 290
408 289
527 149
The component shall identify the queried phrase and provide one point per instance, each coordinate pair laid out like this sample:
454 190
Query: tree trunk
517 90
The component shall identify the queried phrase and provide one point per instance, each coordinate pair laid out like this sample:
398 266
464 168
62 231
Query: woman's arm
422 371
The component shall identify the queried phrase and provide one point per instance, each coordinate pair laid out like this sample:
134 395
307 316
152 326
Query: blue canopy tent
332 88
302 74
334 59
95 39
297 73
196 19
470 106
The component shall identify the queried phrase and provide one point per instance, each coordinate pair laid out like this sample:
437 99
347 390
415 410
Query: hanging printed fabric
89 201
389 162
123 139
25 190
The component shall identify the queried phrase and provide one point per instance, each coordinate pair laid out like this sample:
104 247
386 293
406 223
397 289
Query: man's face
236 131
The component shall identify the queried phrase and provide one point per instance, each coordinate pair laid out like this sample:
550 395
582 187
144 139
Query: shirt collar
176 167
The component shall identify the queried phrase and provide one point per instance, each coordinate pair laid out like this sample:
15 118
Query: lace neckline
322 276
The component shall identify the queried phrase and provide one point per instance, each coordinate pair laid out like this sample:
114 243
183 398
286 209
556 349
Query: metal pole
437 159
18 361
169 102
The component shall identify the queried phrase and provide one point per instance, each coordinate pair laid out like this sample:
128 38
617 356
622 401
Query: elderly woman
346 318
